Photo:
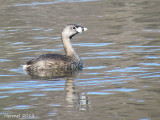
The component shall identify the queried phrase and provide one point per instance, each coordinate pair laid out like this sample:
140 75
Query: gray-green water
120 52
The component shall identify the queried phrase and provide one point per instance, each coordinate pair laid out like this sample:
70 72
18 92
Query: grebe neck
68 47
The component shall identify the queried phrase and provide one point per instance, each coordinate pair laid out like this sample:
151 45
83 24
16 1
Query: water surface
120 52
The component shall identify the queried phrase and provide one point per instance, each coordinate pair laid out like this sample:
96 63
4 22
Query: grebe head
72 29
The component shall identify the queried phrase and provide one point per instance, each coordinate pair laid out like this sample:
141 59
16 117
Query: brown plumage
70 61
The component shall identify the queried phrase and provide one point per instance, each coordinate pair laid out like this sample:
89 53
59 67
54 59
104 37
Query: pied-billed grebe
70 61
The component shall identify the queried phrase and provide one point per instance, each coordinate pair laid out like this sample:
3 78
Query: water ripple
52 89
128 69
152 57
4 96
40 38
18 107
95 67
47 3
103 53
53 38
37 95
143 46
151 76
151 30
99 93
92 44
97 57
121 89
150 64
4 60
18 91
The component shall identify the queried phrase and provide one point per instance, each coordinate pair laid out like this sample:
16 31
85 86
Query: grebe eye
74 27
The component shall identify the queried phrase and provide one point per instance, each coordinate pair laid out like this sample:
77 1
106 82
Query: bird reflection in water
78 101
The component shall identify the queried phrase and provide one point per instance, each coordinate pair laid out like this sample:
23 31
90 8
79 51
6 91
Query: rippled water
120 52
